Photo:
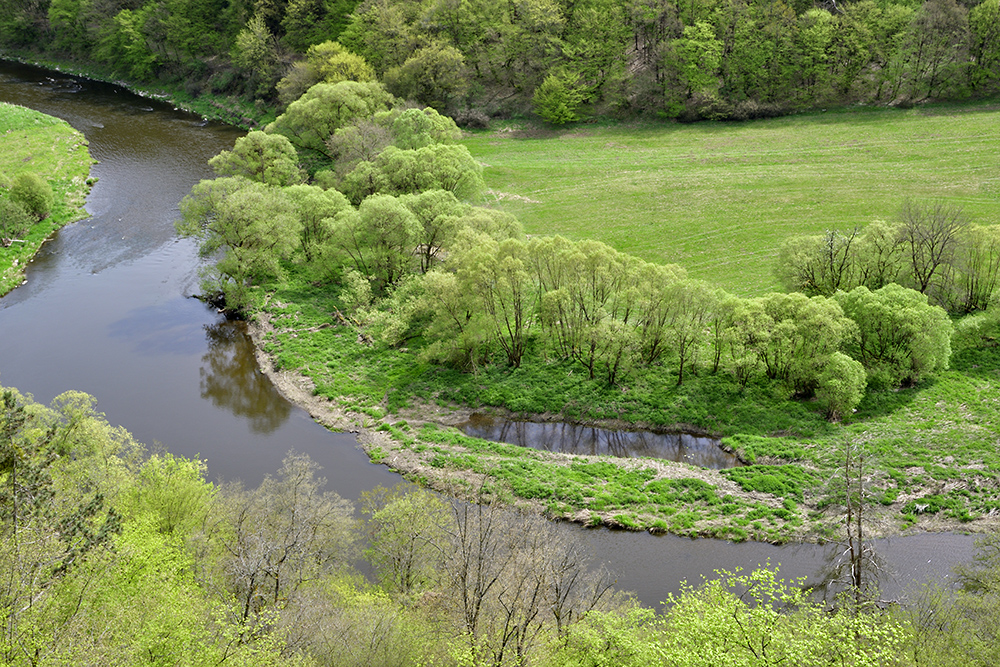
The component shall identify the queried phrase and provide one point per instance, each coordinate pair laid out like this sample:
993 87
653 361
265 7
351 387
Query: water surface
592 441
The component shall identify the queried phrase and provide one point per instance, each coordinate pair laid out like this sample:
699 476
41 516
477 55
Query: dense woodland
475 59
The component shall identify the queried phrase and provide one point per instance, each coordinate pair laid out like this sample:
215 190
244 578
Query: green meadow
718 198
49 147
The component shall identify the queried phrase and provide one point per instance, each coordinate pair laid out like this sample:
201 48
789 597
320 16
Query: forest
476 60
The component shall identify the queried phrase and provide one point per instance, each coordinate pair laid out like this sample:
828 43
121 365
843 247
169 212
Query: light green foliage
416 128
266 158
434 75
310 120
51 523
379 238
407 129
328 62
798 337
978 331
498 274
99 548
254 52
699 55
356 294
758 619
251 225
125 44
816 32
820 264
316 209
494 223
841 384
984 22
434 167
558 99
901 338
585 289
33 193
458 334
404 526
171 493
440 215
736 620
979 267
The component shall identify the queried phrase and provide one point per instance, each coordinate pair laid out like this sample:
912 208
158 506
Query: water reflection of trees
589 441
231 380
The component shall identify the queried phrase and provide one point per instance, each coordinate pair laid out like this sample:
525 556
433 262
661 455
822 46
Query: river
107 310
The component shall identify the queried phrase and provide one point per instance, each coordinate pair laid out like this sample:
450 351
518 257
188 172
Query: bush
473 119
558 99
33 193
14 220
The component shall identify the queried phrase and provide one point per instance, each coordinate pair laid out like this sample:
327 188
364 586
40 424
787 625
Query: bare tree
856 565
930 235
279 537
512 577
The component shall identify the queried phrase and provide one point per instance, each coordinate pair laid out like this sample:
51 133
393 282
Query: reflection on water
231 380
590 441
160 329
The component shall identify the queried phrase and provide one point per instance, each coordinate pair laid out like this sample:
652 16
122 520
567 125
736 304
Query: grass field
31 141
718 198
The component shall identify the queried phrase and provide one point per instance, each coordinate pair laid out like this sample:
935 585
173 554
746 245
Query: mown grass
718 198
49 147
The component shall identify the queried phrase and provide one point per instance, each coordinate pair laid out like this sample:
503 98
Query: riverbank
227 109
922 473
49 147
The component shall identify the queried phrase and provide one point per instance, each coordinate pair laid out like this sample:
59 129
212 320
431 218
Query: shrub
474 119
33 193
14 220
558 99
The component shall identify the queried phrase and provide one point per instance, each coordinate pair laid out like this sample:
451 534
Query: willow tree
248 227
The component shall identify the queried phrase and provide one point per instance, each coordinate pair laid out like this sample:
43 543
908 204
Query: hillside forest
477 59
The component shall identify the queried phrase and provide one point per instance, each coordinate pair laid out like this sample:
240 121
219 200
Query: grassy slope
718 198
934 458
31 141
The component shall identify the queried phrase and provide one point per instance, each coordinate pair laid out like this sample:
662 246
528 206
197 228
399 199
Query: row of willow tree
418 266
112 556
701 59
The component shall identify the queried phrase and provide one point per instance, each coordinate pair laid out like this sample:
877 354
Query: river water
107 310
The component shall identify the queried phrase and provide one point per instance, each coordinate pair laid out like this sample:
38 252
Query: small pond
590 441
